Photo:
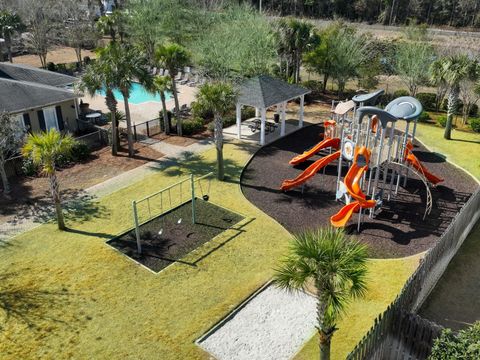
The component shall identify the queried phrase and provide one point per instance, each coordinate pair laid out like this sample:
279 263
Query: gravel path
272 325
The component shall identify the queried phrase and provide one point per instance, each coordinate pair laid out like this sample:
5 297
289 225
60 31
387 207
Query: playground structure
379 156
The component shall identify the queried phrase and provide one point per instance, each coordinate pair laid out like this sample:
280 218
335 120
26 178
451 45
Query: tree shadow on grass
77 205
31 305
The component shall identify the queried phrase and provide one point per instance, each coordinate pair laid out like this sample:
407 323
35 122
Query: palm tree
44 149
295 37
162 85
10 23
116 67
336 265
112 25
129 65
220 99
173 57
451 70
99 75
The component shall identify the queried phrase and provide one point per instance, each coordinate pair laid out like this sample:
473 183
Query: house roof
17 96
22 72
264 91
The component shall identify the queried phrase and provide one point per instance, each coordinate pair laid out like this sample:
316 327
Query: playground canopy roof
264 91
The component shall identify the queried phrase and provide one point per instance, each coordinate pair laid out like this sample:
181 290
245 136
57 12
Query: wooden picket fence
398 333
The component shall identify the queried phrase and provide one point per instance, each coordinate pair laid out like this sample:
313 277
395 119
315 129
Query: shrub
28 167
475 124
86 60
198 111
424 117
51 66
229 120
473 110
80 152
314 85
61 68
248 113
399 93
428 100
190 127
463 345
442 120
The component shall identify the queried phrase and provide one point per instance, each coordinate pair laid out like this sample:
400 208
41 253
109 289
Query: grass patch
462 149
169 237
113 308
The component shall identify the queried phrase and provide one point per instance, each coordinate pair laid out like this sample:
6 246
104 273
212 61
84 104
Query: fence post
148 129
135 132
192 182
137 227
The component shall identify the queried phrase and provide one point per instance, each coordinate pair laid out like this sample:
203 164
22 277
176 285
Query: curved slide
413 160
352 183
328 142
309 172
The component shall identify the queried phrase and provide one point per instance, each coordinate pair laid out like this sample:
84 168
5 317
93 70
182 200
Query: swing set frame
191 179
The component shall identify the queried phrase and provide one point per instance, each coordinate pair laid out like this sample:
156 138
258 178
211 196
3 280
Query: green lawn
69 295
463 149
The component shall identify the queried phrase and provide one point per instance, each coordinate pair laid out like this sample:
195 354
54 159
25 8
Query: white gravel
272 325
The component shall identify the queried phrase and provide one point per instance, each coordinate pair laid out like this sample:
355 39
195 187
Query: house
39 99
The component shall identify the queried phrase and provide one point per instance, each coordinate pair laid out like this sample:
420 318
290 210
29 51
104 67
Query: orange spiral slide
327 142
310 171
413 160
352 183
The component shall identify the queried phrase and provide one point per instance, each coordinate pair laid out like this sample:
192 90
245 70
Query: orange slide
352 183
413 160
327 142
310 171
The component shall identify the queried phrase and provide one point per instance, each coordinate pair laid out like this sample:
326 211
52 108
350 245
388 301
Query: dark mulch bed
397 231
177 238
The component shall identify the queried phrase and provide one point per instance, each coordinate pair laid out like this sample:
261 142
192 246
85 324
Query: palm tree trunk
129 124
325 332
177 105
3 175
112 106
166 124
8 43
218 136
451 108
54 188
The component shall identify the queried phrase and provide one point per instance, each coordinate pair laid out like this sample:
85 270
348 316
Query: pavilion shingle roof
22 72
264 91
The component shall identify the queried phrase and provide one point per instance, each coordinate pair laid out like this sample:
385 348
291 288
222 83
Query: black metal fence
147 129
388 338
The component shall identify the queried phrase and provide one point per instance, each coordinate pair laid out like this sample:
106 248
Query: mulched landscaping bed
397 231
178 235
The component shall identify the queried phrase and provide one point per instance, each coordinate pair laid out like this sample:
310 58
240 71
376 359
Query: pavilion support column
257 112
283 118
300 115
262 126
239 121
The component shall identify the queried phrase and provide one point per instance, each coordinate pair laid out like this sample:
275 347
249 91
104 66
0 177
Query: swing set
165 200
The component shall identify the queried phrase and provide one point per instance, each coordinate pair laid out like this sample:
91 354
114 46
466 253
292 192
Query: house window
50 115
19 121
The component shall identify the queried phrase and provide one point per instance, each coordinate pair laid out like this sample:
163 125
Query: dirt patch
31 194
58 55
170 237
397 231
183 141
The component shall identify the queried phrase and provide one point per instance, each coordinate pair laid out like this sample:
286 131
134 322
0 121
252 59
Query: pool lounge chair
194 81
185 80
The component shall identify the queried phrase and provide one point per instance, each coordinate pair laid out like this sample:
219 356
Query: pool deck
144 111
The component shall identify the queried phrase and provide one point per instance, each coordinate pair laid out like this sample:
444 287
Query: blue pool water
138 95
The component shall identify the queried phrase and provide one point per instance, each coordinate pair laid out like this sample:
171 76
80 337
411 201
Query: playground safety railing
388 339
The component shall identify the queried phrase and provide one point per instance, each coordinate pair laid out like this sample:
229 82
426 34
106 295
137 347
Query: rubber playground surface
397 231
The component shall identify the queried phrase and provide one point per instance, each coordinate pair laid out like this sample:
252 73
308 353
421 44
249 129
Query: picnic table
256 124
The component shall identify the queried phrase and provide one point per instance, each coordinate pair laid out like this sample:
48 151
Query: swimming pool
138 95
